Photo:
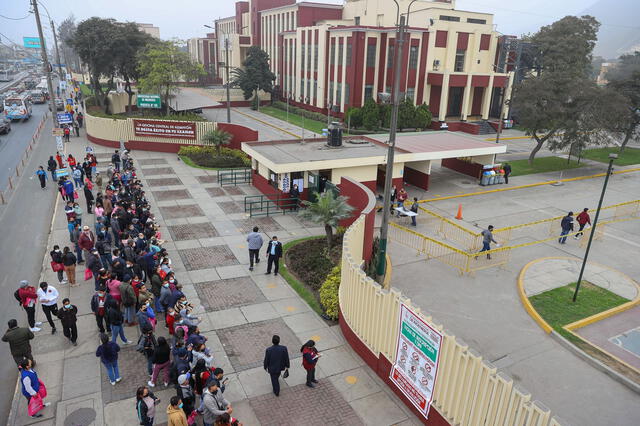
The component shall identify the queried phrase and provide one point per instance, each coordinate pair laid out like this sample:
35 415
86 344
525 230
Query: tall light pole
55 42
612 157
47 65
226 65
395 95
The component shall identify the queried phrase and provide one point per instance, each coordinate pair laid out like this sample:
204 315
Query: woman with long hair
310 357
146 403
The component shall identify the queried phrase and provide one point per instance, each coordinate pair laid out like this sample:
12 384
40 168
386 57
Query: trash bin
484 181
492 177
500 176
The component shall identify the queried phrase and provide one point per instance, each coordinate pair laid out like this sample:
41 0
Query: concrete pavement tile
232 271
337 332
338 360
221 359
259 312
234 392
227 318
324 338
263 280
177 221
290 306
213 342
256 381
86 408
354 384
242 410
211 241
203 275
304 321
378 409
277 290
187 244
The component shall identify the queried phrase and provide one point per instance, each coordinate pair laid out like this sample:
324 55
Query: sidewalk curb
635 387
530 185
268 124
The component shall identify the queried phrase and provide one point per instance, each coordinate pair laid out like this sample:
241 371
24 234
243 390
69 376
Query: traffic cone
459 215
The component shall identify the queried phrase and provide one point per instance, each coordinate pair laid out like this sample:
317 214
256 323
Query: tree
558 103
406 114
625 80
95 41
328 210
423 116
132 41
255 74
66 32
384 115
217 138
162 65
353 117
370 115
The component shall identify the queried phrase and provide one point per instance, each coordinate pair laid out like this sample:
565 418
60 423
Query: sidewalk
205 227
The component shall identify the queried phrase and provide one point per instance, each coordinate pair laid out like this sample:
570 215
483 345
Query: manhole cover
80 417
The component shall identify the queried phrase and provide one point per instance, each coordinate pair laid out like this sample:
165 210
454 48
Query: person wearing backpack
28 299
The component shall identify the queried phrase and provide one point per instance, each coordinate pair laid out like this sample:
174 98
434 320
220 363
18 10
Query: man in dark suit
274 253
276 359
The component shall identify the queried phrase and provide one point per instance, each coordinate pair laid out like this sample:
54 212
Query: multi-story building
341 55
203 51
149 29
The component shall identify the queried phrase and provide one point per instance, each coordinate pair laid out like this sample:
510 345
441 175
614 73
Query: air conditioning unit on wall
436 64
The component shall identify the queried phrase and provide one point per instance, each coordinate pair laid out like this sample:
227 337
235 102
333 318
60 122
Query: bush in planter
329 294
207 156
353 117
370 115
423 116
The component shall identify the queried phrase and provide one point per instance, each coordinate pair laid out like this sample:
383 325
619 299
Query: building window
315 90
449 18
476 21
411 93
340 51
302 49
379 20
357 19
331 92
348 60
413 57
333 54
308 88
310 46
301 94
339 94
347 94
371 56
315 57
368 92
459 64
390 57
387 89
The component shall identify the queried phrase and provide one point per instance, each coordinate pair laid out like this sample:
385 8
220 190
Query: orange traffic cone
459 215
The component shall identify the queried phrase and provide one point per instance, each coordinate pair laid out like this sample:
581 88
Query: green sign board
149 101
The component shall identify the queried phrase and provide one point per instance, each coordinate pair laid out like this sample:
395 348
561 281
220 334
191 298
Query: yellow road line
530 185
267 124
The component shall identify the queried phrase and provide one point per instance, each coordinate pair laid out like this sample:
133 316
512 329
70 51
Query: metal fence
236 176
469 390
266 205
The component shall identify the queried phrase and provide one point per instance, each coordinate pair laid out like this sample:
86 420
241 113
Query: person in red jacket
86 239
310 357
28 300
583 218
170 319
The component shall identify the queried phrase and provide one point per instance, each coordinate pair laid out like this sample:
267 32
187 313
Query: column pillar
486 102
444 97
466 97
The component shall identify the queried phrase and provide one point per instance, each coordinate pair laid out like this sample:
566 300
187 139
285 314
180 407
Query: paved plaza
205 228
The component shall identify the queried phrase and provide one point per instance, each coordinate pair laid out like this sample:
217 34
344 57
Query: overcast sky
185 18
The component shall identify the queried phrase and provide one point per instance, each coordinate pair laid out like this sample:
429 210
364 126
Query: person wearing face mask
99 303
165 296
214 403
48 298
68 318
56 263
146 403
144 315
128 295
175 413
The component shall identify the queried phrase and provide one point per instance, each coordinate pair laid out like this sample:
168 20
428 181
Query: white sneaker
46 404
38 324
34 329
64 282
113 383
150 384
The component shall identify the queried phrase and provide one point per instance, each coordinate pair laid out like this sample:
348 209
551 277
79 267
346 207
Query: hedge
207 156
329 293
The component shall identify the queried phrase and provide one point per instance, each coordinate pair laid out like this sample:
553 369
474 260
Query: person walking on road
487 239
76 129
108 354
69 261
48 297
31 385
254 242
507 171
18 339
56 263
51 167
68 317
276 359
310 358
28 299
77 177
67 187
567 226
161 361
583 219
59 160
274 253
42 177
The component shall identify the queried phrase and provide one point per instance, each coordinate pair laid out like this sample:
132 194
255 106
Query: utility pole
55 42
595 222
226 65
395 95
47 65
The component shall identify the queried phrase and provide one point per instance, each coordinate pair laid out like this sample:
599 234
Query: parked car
59 104
5 125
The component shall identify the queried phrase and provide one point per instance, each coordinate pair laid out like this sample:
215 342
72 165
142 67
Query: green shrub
353 117
423 116
384 114
370 115
207 156
329 294
255 103
406 114
300 111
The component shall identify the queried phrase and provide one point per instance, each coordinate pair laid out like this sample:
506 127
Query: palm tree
328 210
217 138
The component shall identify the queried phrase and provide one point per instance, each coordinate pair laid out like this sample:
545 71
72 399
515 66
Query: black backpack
16 294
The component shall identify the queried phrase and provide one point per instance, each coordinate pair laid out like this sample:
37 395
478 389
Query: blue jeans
157 305
563 237
79 253
112 370
78 182
117 330
129 314
53 176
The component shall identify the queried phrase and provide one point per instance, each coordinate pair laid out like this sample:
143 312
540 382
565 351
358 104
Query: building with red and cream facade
341 55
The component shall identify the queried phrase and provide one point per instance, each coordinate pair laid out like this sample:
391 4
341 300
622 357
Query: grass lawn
85 90
628 157
541 165
557 308
295 119
189 162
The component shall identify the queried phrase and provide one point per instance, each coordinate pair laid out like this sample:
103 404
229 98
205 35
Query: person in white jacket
201 352
48 298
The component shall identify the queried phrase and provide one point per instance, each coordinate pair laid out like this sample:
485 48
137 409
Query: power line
16 19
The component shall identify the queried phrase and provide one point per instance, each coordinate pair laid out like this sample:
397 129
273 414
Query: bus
17 107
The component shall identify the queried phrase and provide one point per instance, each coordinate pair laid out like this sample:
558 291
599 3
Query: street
25 223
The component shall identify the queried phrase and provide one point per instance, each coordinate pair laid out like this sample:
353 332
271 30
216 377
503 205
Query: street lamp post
226 65
612 157
395 95
302 100
47 66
